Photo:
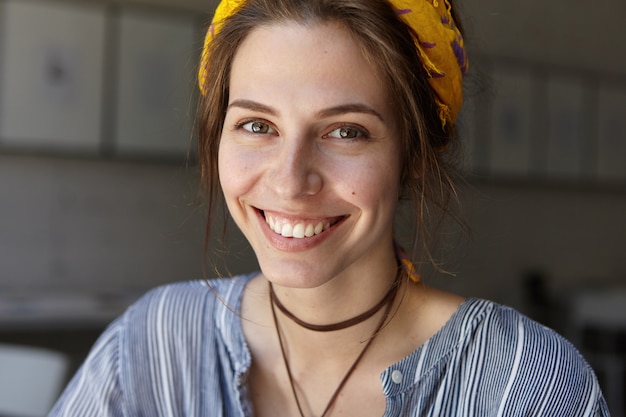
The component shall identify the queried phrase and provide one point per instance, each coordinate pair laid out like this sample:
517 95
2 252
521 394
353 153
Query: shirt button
396 376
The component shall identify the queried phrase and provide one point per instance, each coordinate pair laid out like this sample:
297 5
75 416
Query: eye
347 132
257 127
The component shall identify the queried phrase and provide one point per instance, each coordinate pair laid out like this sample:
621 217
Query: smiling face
309 160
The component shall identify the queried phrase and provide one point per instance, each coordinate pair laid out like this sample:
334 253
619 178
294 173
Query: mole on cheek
353 193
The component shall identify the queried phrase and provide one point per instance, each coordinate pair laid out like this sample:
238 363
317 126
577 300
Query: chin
296 274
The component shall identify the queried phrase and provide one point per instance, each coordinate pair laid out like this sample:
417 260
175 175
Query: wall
573 238
79 224
572 234
576 33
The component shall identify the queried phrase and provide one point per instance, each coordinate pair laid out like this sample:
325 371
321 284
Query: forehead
321 60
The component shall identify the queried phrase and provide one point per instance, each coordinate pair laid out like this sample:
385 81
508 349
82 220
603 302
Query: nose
294 172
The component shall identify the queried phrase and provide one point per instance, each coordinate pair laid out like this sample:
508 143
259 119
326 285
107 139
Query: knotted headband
438 41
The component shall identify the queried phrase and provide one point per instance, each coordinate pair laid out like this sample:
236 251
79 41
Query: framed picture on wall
568 131
611 134
158 54
510 141
52 75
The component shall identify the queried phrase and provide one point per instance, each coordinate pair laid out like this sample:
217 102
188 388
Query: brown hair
388 43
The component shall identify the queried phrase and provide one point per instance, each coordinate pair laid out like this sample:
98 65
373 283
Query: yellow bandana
439 43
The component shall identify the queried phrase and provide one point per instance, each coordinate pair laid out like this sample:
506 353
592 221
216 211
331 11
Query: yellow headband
439 44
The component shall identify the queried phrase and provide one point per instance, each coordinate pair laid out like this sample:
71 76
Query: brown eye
258 127
347 132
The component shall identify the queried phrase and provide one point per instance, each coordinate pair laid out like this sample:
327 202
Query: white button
396 376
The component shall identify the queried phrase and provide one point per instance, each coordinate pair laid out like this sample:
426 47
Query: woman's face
309 159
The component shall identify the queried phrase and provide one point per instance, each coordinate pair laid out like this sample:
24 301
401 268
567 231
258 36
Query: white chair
30 380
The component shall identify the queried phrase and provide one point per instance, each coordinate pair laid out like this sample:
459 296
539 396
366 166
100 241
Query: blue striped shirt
180 351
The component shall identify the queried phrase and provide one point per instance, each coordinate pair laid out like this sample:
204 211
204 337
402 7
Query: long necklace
388 300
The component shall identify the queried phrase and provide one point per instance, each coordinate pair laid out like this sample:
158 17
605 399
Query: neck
385 302
337 301
324 306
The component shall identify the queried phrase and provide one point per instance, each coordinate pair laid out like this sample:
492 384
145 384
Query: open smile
298 228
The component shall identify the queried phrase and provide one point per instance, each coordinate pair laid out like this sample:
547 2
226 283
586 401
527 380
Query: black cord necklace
387 300
391 293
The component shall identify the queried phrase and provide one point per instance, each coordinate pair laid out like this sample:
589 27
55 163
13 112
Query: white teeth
287 230
299 230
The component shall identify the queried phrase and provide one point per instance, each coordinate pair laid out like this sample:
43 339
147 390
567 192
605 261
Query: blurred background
99 193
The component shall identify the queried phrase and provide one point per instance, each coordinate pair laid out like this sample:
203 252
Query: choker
390 295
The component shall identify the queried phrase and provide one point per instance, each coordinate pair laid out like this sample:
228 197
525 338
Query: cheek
224 170
240 173
234 171
372 184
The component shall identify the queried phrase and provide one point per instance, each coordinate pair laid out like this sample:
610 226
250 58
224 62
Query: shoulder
521 339
165 343
508 330
528 364
490 360
185 306
218 287
183 337
175 325
188 297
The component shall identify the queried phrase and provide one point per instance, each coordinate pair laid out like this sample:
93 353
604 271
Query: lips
298 228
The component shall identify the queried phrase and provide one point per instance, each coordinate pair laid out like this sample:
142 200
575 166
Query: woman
316 118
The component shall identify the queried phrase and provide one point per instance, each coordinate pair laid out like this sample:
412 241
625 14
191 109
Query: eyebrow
350 108
254 106
329 112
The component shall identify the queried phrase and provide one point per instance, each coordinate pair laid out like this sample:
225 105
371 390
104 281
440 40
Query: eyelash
361 133
241 125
